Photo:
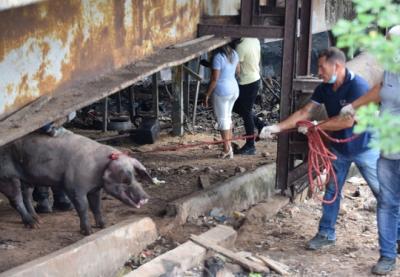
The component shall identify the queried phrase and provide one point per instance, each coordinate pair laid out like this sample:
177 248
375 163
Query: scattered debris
204 181
251 266
356 180
158 182
240 169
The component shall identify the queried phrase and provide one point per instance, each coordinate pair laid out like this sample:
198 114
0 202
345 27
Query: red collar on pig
115 155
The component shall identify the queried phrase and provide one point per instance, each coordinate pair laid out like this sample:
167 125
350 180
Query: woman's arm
211 86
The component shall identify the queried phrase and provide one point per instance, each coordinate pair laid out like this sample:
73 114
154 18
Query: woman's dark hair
225 50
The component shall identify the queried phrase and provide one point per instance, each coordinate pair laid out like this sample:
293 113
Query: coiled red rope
320 159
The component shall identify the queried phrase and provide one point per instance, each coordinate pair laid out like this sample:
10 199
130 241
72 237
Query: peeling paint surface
47 45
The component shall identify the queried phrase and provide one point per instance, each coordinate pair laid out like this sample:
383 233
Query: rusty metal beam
305 40
288 63
66 100
241 31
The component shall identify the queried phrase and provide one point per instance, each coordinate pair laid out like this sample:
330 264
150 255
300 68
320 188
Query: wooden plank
191 42
241 31
252 266
192 73
69 99
282 161
297 172
306 84
27 110
274 265
220 20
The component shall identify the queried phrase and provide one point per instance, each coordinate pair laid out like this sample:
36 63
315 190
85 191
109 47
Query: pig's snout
137 195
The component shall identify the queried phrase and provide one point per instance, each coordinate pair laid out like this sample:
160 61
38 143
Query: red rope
320 158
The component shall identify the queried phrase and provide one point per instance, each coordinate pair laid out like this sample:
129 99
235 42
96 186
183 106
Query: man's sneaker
246 150
43 207
319 241
384 266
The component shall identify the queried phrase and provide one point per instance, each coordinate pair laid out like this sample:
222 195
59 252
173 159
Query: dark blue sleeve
358 88
317 95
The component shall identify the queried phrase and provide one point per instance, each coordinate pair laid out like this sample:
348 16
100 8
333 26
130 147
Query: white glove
304 129
347 110
268 131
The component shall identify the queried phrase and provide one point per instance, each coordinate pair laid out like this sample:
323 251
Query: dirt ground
284 236
180 171
281 237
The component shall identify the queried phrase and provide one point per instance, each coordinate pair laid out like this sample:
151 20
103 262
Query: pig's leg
27 197
94 199
12 189
80 202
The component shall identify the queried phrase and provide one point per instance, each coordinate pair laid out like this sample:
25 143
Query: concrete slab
100 254
185 256
234 194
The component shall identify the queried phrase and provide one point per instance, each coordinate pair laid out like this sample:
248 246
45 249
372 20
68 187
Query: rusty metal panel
52 44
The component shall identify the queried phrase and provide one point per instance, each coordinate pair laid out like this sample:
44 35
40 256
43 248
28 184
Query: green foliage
385 127
362 33
255 275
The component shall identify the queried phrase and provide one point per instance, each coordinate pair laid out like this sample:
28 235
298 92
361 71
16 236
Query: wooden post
186 92
155 95
177 102
132 112
105 114
288 63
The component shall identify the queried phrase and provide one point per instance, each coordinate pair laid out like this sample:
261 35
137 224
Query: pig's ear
141 170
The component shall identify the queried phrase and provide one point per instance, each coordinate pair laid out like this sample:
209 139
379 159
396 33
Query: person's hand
347 110
304 129
205 103
268 132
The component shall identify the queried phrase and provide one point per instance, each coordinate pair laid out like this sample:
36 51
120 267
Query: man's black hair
333 54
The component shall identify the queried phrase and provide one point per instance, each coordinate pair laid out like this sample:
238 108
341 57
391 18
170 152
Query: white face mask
333 79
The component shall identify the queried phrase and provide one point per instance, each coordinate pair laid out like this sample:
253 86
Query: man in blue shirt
339 88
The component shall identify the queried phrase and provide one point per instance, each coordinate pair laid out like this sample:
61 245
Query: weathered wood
177 102
192 73
305 39
105 114
196 95
191 42
27 110
241 31
246 12
288 63
69 99
252 266
274 265
156 98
